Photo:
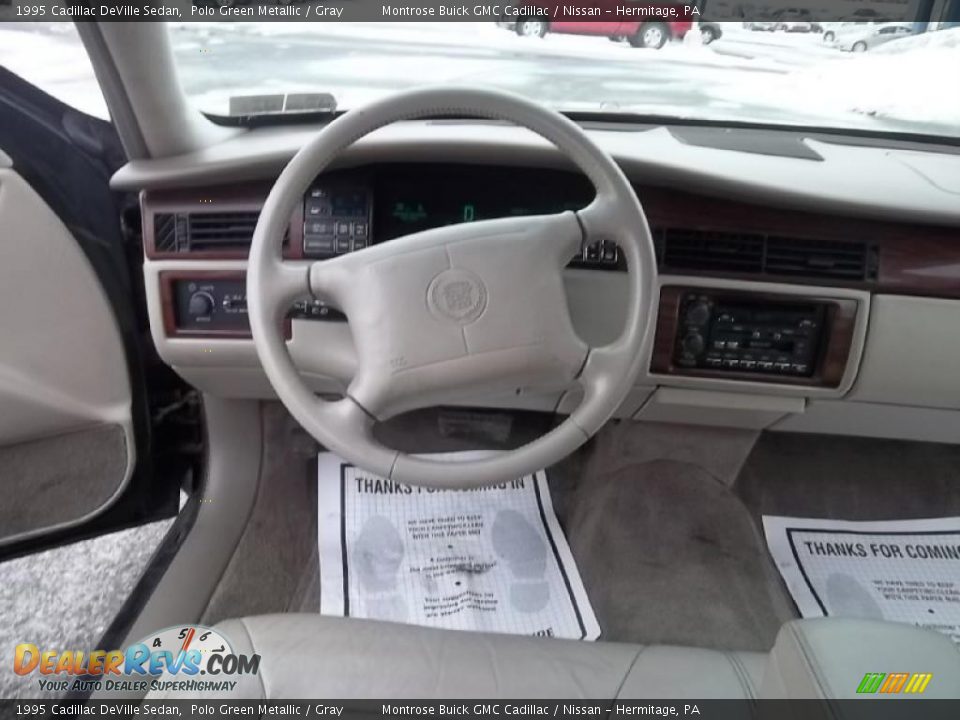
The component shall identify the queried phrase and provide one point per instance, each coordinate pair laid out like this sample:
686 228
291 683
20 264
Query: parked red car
634 22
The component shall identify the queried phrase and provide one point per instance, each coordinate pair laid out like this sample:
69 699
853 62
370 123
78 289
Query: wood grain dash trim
833 355
167 280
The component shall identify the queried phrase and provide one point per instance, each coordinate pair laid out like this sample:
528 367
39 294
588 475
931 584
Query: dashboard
767 317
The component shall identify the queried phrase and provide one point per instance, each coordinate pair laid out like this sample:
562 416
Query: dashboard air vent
757 254
711 251
820 259
203 231
165 232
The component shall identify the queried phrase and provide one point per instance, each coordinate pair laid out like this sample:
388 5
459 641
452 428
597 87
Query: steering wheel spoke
331 280
285 282
601 219
356 432
608 370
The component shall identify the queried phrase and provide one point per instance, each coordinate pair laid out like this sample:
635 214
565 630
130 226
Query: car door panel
64 386
79 451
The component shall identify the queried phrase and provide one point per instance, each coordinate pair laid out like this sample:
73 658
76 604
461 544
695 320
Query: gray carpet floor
278 548
670 556
849 478
668 553
663 521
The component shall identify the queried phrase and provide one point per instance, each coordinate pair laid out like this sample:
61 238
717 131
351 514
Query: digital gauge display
410 200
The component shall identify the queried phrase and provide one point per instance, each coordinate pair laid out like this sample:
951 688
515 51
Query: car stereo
753 335
780 338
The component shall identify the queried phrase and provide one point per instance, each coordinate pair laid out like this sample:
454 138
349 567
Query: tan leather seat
312 656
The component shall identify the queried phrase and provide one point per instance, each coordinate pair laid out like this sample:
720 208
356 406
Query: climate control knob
201 304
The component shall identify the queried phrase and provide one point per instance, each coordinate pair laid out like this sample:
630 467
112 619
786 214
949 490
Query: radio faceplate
739 334
758 337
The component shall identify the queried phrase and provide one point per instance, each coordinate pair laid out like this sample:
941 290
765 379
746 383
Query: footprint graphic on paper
378 554
846 597
518 545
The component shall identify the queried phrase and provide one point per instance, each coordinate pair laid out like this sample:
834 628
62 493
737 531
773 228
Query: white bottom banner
491 559
903 571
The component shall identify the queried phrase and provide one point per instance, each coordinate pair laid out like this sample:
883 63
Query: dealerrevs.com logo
189 658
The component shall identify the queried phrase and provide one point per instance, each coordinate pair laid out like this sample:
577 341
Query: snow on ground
901 81
50 56
67 596
792 48
944 39
572 72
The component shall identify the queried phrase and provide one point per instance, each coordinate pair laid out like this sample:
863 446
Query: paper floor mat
491 559
903 571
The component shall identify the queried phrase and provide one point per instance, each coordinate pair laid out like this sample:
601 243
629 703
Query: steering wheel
454 312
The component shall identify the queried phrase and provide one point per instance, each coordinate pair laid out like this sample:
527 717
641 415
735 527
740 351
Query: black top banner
779 14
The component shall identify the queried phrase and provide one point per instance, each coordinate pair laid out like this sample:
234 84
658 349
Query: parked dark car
710 31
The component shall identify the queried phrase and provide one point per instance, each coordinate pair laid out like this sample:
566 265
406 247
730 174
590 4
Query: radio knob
201 304
693 344
698 313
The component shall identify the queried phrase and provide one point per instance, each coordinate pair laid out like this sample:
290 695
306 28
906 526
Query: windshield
873 76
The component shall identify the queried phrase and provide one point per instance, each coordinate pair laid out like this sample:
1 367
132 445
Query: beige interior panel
709 407
875 420
62 362
852 180
628 408
911 357
235 443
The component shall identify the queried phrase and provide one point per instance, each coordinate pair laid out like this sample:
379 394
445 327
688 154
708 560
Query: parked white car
832 30
764 26
876 35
